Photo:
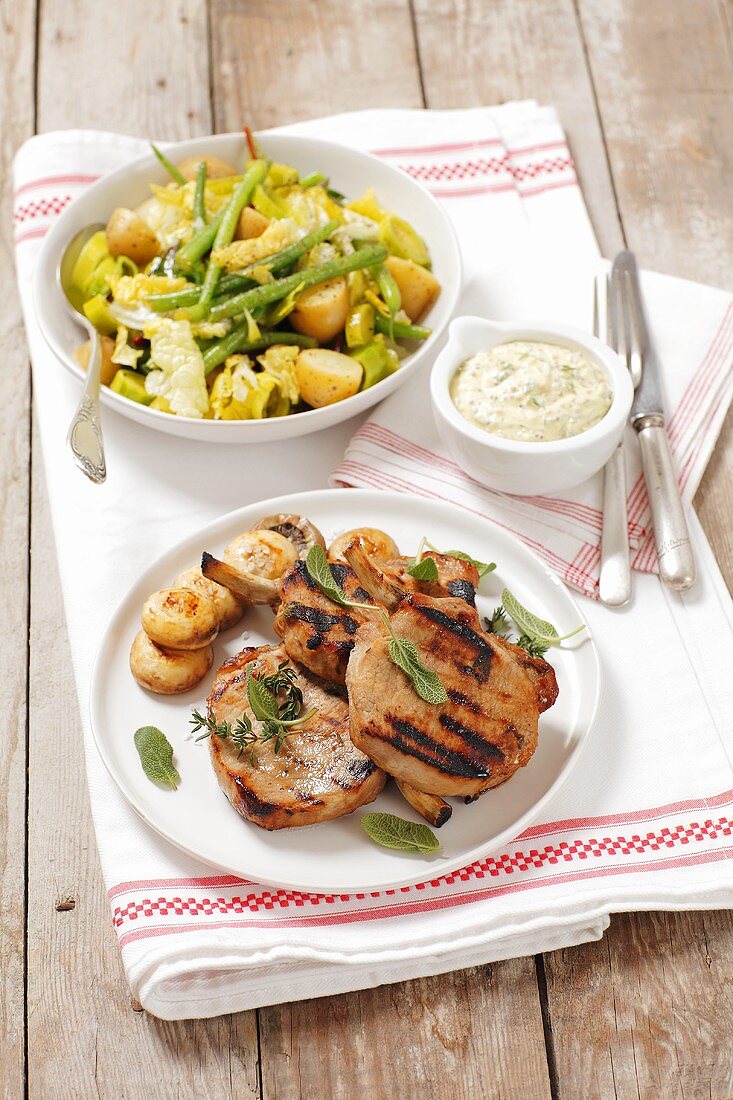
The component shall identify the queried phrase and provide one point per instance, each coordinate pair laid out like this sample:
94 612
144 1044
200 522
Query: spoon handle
85 431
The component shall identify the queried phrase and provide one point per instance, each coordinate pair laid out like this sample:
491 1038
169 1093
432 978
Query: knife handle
672 539
615 577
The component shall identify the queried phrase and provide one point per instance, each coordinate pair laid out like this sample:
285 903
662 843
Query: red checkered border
167 906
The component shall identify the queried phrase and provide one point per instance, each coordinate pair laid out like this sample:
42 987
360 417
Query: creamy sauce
531 392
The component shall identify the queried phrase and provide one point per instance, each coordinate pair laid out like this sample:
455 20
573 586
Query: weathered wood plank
475 53
278 62
145 71
451 1035
16 95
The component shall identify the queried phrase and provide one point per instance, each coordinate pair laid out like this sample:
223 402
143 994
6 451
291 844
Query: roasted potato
109 369
418 287
167 672
378 544
251 224
262 553
228 608
322 310
130 235
325 377
179 618
216 168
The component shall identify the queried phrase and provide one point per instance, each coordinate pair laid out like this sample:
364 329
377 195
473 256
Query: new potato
251 224
322 310
325 377
418 287
216 168
129 235
108 369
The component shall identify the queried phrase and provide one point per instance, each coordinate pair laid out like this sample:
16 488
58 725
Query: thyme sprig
277 704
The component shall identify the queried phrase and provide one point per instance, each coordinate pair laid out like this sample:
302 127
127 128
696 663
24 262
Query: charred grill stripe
462 700
482 664
408 738
299 574
462 590
471 737
321 621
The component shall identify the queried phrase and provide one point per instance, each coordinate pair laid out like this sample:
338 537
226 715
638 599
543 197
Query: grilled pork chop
320 634
317 775
480 736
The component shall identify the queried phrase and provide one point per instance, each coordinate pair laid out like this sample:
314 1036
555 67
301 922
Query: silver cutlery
615 572
85 431
671 536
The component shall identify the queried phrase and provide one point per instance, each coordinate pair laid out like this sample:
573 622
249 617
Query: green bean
200 243
199 204
237 341
230 284
401 330
299 280
293 252
170 168
224 234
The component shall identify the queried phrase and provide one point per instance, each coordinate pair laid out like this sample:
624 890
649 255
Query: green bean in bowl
248 291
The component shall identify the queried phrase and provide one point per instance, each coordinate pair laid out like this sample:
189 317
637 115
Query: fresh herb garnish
156 756
425 569
533 646
539 630
395 832
402 651
278 718
498 622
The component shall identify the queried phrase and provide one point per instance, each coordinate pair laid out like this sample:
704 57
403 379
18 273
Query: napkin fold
631 828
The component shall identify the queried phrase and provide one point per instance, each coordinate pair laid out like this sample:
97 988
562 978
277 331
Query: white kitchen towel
643 822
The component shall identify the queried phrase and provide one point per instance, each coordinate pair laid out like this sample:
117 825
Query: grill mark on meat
361 595
462 700
481 666
463 590
254 805
447 760
471 737
321 621
298 574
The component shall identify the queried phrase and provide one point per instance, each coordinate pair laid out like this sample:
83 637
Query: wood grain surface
645 93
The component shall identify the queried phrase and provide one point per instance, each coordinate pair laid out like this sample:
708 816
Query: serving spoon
85 430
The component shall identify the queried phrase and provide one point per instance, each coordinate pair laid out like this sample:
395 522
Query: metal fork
612 325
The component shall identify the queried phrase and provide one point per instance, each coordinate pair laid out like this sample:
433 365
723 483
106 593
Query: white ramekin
511 466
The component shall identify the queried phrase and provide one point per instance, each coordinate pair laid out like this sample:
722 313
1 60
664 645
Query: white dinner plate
350 171
337 856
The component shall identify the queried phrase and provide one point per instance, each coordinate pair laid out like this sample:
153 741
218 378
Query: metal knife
671 536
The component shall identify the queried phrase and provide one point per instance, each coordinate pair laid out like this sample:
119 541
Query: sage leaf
425 570
404 653
530 624
482 567
264 705
156 756
390 831
319 569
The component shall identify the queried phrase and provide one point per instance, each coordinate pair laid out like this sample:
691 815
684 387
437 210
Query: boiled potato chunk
325 377
251 224
321 311
179 618
167 672
109 369
418 286
216 168
378 544
129 235
264 553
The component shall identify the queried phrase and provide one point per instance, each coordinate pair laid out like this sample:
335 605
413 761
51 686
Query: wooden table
645 92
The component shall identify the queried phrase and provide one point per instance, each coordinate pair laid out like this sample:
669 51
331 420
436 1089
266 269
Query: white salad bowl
513 466
349 171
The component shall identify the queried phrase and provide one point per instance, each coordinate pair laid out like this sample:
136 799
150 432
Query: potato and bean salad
245 292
